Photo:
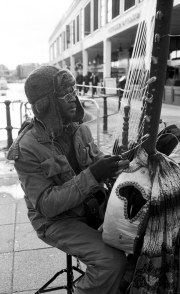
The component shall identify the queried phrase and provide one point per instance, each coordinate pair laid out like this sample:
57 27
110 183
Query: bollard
92 92
119 99
83 88
105 115
9 127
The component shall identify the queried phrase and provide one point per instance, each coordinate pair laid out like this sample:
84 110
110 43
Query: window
128 4
102 13
73 31
109 10
96 6
78 28
115 8
82 23
87 19
112 9
68 35
63 42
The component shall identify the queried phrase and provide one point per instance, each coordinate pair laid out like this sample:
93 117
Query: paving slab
26 238
6 198
14 189
3 152
21 212
7 214
7 238
33 268
7 167
6 272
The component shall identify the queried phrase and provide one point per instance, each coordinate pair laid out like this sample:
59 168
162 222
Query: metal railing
27 109
97 115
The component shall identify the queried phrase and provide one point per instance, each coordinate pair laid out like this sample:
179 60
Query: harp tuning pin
159 15
151 80
154 59
145 137
157 38
148 118
148 100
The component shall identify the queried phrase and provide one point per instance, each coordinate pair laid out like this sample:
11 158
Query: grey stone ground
26 263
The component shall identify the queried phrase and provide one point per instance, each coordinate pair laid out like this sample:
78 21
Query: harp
143 209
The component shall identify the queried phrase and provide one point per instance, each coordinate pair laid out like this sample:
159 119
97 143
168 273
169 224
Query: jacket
52 190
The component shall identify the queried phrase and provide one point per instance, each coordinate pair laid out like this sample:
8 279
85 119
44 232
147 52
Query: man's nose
73 98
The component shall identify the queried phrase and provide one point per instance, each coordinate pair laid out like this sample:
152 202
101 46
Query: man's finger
123 163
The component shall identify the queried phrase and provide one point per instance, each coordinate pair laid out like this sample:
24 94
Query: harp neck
160 53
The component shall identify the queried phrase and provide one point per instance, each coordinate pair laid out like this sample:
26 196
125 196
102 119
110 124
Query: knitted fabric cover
157 177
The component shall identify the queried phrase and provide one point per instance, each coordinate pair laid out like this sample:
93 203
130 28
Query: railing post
92 91
83 88
8 127
119 99
105 115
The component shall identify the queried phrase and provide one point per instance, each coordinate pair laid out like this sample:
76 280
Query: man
95 80
59 167
79 81
86 82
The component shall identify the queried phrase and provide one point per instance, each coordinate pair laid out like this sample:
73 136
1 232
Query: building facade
23 70
100 34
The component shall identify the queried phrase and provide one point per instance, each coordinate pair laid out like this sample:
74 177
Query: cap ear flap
42 104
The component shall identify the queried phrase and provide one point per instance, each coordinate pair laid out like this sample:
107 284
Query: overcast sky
25 28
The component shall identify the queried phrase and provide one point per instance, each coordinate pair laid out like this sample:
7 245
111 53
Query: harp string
135 87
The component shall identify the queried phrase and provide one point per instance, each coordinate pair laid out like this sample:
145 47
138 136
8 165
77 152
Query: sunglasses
69 96
57 88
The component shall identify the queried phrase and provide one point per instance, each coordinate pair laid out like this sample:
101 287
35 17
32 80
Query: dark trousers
105 265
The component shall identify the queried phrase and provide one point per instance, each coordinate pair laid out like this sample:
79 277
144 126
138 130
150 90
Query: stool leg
70 289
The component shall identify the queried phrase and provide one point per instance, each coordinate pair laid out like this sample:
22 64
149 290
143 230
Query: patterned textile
157 268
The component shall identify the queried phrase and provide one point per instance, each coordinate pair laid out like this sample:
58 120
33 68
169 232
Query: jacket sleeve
45 195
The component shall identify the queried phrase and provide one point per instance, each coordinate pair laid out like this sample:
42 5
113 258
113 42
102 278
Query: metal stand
71 283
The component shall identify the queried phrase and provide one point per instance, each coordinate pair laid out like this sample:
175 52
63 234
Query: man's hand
107 167
122 164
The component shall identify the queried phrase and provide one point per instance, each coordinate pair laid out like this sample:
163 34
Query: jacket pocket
57 166
93 149
84 157
87 154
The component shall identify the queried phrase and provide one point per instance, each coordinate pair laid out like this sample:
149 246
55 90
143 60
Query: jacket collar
42 136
